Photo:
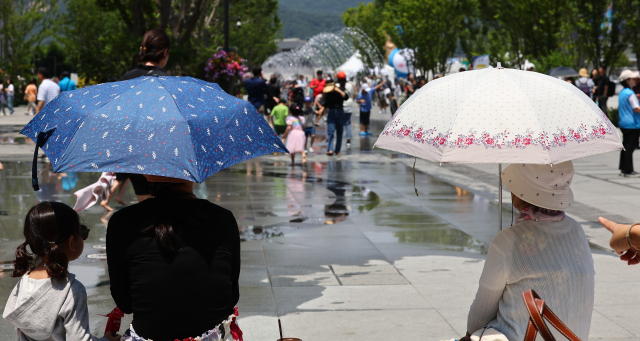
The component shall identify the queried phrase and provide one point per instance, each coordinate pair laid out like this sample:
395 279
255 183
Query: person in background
317 84
273 98
629 122
595 77
602 89
364 99
30 95
279 115
257 88
309 126
545 250
295 135
47 91
462 69
2 97
297 94
334 97
10 91
584 83
301 82
66 84
347 105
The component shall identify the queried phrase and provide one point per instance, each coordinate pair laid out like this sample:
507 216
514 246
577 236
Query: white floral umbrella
499 115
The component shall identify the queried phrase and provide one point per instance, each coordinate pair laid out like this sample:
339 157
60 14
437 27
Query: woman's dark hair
65 74
33 81
46 227
273 81
625 83
166 237
155 46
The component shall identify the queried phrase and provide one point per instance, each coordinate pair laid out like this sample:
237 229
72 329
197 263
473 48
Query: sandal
330 153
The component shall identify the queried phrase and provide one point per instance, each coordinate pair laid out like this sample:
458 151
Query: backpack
584 87
611 91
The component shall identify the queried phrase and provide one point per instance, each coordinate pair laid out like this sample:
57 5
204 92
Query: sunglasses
84 232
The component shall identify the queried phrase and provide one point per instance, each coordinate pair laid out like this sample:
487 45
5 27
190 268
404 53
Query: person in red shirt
317 84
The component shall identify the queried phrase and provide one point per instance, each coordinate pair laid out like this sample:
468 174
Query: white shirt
551 257
10 89
48 91
302 83
633 100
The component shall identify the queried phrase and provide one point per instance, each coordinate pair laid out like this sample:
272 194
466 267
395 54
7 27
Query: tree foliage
97 43
24 26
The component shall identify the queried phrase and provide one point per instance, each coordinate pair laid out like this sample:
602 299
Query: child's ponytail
57 263
21 264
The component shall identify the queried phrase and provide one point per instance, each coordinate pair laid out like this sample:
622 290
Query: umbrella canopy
563 71
177 127
499 116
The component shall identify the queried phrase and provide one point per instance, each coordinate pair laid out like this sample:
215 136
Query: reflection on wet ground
268 199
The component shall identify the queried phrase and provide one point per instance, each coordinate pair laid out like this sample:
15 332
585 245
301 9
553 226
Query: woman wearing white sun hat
629 121
545 251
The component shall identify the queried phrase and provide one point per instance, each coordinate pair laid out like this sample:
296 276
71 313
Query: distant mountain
306 18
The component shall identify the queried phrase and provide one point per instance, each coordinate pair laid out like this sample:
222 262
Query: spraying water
325 51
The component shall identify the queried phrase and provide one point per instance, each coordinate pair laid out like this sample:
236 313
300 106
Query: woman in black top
174 262
153 57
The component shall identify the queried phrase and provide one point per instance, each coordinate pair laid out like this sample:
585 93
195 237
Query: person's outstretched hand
619 241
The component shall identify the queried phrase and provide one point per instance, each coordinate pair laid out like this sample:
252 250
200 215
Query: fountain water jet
325 51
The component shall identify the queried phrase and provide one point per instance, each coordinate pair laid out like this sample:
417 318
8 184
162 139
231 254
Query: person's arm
619 242
120 283
313 84
635 106
40 106
381 84
286 132
492 284
75 313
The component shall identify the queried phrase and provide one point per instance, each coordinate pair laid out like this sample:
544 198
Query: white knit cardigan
551 257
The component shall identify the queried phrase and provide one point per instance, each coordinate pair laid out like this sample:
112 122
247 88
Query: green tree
24 26
195 27
368 18
629 11
423 29
97 43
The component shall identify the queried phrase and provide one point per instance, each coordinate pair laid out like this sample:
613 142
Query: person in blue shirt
256 90
364 98
628 121
66 84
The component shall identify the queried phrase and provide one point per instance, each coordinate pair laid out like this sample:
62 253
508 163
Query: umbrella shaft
500 194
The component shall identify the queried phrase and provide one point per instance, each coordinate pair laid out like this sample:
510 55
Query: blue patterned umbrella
178 127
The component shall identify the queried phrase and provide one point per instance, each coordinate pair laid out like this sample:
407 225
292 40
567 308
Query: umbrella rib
64 153
459 109
196 176
540 127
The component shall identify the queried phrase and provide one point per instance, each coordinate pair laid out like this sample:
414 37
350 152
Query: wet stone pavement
340 249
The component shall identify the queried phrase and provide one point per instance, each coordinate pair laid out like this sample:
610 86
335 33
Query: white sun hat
541 185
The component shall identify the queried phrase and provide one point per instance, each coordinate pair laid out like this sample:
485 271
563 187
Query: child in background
364 98
309 126
296 138
280 113
49 303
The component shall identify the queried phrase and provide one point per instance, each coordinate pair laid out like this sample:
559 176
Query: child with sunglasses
49 303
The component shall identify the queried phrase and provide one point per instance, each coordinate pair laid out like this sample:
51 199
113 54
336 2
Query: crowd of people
35 96
325 101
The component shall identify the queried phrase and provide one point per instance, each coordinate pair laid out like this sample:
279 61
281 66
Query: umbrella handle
42 138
